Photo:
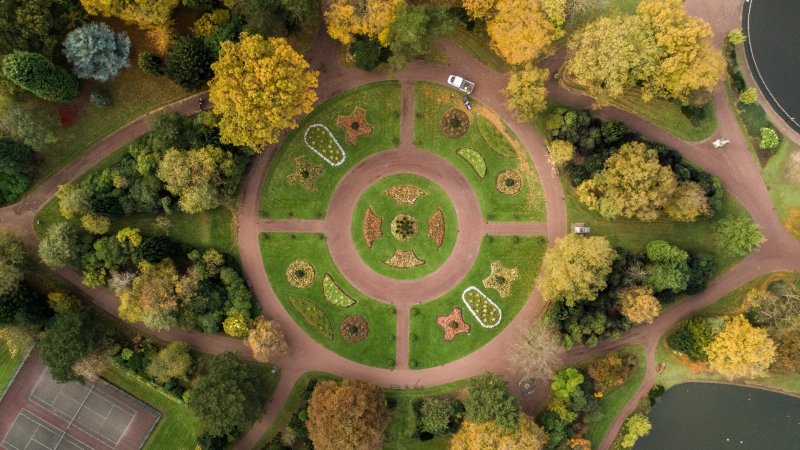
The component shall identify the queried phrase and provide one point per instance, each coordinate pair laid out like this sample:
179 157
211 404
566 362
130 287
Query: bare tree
537 353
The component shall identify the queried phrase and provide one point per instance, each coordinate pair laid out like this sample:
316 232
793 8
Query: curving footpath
735 166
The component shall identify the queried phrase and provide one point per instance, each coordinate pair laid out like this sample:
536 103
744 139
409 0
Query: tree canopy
488 399
738 236
172 361
95 51
68 338
259 88
537 352
638 304
266 340
12 262
347 19
576 268
38 75
525 92
527 435
741 350
144 13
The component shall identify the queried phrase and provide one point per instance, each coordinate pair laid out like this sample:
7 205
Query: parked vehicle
461 84
467 104
719 143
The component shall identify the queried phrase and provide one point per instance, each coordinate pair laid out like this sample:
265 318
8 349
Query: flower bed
355 125
495 138
321 141
501 279
354 329
404 194
371 227
485 311
305 174
453 324
334 294
509 182
300 274
404 227
455 123
313 315
474 159
404 259
436 228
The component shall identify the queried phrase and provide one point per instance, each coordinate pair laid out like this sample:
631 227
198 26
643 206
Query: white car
461 84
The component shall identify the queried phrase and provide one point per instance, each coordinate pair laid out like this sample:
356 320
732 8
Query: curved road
735 166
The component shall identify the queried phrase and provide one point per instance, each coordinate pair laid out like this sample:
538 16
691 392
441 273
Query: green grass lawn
634 234
615 399
423 246
427 346
280 200
678 370
178 427
430 103
281 249
8 366
477 45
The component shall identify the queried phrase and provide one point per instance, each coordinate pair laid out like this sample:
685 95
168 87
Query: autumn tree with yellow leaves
638 304
741 350
144 13
576 268
525 93
479 436
373 18
266 340
259 88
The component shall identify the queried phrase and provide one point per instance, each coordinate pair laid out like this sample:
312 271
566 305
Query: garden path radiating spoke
291 226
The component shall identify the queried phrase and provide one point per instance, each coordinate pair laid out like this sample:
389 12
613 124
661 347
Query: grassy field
281 249
427 347
430 103
178 427
280 200
8 366
423 209
680 370
613 400
634 234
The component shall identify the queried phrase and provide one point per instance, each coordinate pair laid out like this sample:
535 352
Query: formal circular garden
404 226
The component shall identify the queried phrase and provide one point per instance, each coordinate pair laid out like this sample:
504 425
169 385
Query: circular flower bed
404 227
300 273
455 123
354 329
509 182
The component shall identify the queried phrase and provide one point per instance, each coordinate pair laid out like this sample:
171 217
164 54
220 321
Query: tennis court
84 407
31 432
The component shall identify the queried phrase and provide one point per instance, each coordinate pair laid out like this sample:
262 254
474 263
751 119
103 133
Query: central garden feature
404 226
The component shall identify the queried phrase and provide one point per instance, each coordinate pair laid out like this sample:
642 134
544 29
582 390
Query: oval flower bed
313 314
321 141
486 312
474 159
334 294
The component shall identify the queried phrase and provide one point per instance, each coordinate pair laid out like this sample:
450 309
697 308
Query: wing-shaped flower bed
436 227
404 259
474 159
313 315
371 227
495 138
321 141
334 294
404 194
486 312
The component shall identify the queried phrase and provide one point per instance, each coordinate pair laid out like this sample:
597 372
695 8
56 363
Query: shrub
735 37
100 98
95 51
769 139
749 96
37 74
35 129
16 159
151 64
692 337
188 63
435 415
367 53
738 236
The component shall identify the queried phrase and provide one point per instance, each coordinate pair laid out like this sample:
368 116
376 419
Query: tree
73 201
32 25
144 13
687 203
347 19
367 53
612 54
347 414
738 236
12 262
520 31
638 304
769 139
488 399
735 37
196 176
479 9
435 415
636 425
566 382
95 223
749 96
152 298
561 152
229 397
632 184
249 69
688 63
692 338
90 367
150 64
188 63
537 352
68 338
266 340
741 350
576 268
236 326
777 307
412 28
480 436
670 268
525 92
63 303
36 74
35 129
23 307
59 247
95 51
171 362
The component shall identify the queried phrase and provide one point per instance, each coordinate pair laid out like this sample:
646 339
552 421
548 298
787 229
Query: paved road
735 166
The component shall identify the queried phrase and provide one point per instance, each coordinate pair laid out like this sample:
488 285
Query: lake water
712 416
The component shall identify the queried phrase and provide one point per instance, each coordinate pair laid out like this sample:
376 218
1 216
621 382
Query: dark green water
711 416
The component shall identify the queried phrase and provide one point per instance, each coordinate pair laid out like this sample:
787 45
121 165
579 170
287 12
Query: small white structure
719 143
581 228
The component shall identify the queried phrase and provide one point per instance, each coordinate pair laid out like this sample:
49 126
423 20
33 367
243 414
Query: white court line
758 72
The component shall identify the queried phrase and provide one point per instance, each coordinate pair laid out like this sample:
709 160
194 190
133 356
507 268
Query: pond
712 416
771 27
